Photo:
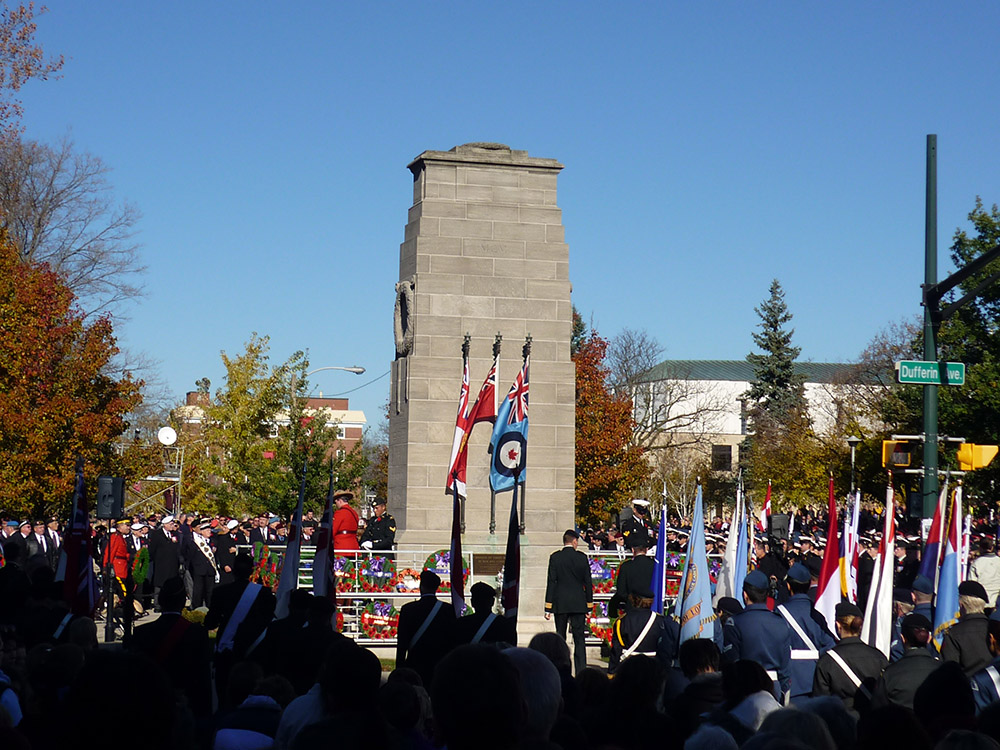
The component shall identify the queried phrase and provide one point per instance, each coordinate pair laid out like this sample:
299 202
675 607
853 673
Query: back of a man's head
542 690
698 656
477 699
554 648
429 582
945 701
350 677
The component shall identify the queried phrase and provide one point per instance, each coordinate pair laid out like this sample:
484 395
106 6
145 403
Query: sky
708 149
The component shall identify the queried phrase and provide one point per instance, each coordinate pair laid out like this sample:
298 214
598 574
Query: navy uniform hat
846 609
915 621
756 579
899 594
973 588
799 573
814 565
729 606
923 584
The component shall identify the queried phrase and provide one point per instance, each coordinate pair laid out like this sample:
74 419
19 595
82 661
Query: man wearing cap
426 630
380 533
38 545
900 680
15 549
986 682
637 527
923 595
224 547
635 576
986 569
810 638
202 565
485 626
759 634
850 669
344 529
965 642
164 554
569 594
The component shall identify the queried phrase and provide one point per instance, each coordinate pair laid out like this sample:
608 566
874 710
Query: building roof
740 370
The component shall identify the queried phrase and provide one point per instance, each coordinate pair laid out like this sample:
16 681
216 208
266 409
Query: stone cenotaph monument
483 254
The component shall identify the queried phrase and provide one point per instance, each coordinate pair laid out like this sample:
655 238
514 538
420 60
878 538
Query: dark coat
569 589
501 630
197 563
436 641
164 556
222 544
867 663
802 670
900 680
381 532
762 636
965 643
627 630
635 576
185 659
224 601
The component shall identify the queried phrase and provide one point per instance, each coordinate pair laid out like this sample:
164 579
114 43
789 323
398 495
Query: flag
459 452
877 628
289 580
726 584
930 561
511 591
509 441
456 571
694 601
659 581
828 590
76 569
765 511
485 407
743 542
324 584
849 552
946 601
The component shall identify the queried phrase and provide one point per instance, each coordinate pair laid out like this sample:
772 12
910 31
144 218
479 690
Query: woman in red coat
345 523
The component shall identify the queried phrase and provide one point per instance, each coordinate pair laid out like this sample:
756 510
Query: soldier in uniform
810 638
850 669
923 595
965 641
380 533
224 546
426 630
345 523
759 634
485 626
637 632
569 594
637 527
986 682
635 576
900 680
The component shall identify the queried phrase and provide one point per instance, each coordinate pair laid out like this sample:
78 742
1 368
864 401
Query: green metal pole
930 479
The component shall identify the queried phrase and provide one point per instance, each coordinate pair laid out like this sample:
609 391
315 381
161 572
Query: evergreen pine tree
776 391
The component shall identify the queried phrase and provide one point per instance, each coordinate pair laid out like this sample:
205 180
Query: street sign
929 373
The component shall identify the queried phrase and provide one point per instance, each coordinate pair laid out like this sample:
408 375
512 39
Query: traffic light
971 456
895 453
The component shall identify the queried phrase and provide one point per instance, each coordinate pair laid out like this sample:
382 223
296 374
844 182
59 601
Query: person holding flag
810 638
828 586
693 608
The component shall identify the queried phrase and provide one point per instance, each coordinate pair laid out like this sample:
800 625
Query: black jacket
501 630
965 643
164 555
866 662
635 576
381 532
569 589
436 641
900 680
184 658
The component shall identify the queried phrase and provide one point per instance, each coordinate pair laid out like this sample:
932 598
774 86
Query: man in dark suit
569 594
201 565
426 630
635 577
484 626
164 553
39 545
224 546
179 647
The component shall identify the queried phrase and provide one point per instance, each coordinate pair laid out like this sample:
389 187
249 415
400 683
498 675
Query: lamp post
853 441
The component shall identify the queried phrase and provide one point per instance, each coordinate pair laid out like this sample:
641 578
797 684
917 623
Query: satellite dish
167 435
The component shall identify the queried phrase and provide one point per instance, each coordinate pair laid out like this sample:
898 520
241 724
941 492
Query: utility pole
929 486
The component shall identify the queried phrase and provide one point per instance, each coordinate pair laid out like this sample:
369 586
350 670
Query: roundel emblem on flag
508 459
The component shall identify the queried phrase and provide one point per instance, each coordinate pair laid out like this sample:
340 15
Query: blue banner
694 601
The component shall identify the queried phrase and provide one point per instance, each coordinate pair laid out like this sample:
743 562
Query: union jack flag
518 396
75 567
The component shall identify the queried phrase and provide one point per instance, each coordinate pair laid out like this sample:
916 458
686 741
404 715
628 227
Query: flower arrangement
344 573
408 580
602 575
440 563
377 573
267 566
140 568
599 622
196 616
379 620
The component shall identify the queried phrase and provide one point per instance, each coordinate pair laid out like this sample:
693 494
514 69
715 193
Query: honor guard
810 639
380 533
850 669
759 634
638 527
986 683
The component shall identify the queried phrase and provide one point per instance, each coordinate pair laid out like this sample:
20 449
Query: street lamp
295 379
853 441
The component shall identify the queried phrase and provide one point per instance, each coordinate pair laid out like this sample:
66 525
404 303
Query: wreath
140 567
407 581
344 573
379 620
267 566
377 573
599 622
340 621
601 575
440 562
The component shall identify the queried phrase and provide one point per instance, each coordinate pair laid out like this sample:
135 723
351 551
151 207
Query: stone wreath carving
403 317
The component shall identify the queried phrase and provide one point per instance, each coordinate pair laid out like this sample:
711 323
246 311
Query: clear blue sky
709 147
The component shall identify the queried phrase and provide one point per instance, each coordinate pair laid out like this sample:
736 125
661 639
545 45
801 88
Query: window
341 453
722 458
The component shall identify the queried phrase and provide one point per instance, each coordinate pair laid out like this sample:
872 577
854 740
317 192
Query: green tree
776 390
610 469
58 398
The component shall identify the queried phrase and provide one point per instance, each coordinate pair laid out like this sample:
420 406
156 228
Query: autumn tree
21 59
610 468
58 397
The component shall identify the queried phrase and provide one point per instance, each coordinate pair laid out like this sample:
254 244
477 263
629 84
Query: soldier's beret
729 606
757 579
973 588
899 594
379 501
923 584
799 573
915 621
846 609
